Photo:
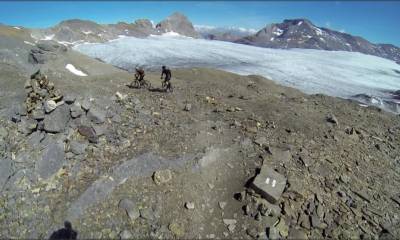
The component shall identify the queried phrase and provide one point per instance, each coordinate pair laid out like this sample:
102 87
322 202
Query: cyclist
167 78
139 75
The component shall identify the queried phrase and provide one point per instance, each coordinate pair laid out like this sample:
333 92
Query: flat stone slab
52 160
57 120
96 115
269 183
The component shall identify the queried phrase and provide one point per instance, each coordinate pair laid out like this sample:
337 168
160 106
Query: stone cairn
41 99
41 94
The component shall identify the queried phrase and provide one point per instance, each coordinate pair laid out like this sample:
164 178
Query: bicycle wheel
146 84
136 84
169 87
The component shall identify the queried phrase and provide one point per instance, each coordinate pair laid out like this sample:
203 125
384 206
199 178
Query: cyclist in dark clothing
167 73
167 78
139 75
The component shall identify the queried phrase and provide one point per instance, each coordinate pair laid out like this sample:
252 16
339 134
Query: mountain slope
76 31
294 33
202 144
301 33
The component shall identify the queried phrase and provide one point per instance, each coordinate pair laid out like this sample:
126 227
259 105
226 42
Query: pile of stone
38 111
41 94
46 109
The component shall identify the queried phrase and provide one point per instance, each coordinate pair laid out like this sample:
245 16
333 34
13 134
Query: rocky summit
222 156
302 33
178 23
75 31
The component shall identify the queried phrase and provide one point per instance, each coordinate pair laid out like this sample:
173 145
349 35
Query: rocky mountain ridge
291 33
229 34
75 31
302 33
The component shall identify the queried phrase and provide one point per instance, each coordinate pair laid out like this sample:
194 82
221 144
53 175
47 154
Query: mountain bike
139 84
167 86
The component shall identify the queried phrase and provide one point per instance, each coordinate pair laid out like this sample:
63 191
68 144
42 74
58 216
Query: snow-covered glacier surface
369 79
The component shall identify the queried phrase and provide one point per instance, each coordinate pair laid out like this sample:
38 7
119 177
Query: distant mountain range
230 34
295 33
301 33
76 31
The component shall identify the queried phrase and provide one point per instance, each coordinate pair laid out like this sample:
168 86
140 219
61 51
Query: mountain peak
177 15
297 21
179 23
75 21
302 33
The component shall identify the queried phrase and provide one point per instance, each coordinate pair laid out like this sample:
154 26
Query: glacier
368 79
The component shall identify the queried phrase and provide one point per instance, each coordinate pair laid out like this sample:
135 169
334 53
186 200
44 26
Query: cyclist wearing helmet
167 78
139 75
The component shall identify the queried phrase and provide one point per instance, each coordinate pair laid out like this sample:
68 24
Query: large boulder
51 161
38 57
57 120
269 183
51 46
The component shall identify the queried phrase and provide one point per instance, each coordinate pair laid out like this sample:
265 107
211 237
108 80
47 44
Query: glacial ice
335 73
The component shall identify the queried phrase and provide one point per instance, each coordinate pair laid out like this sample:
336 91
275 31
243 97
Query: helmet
163 67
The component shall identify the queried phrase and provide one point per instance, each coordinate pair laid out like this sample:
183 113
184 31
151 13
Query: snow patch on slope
48 37
29 43
278 32
75 71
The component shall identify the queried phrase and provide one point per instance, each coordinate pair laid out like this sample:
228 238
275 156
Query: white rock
189 205
49 106
229 221
121 96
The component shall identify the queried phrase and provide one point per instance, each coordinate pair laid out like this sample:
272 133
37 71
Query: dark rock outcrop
45 51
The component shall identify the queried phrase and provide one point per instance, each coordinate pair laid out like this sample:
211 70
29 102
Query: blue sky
376 21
